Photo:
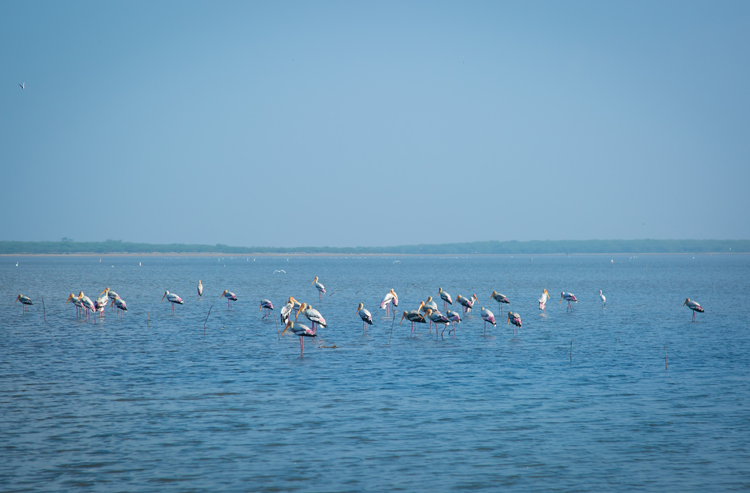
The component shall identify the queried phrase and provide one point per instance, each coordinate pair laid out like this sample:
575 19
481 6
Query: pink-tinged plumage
173 299
695 306
488 317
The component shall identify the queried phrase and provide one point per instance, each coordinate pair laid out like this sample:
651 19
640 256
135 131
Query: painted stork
695 306
438 318
101 303
365 316
286 310
543 300
112 297
120 303
570 298
321 289
445 297
25 300
172 298
455 319
488 317
76 302
414 317
391 298
231 297
500 298
602 297
515 319
267 306
200 288
312 315
300 330
466 303
88 305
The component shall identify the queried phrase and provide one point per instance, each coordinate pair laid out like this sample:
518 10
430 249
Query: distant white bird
543 300
391 298
16 264
603 298
200 288
321 289
22 85
279 271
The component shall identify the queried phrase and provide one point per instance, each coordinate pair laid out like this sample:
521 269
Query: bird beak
288 324
162 298
684 303
18 298
402 318
69 298
560 298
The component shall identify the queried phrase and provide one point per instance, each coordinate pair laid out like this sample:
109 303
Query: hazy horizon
374 124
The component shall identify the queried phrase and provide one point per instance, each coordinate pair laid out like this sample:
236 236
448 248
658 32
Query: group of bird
427 312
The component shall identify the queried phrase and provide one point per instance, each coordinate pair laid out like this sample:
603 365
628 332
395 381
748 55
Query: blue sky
385 123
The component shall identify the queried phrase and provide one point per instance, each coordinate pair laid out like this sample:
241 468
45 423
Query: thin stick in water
666 366
45 310
571 350
204 322
392 322
277 326
147 320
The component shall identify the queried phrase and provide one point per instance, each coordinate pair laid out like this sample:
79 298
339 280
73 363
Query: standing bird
455 319
321 289
112 296
76 302
438 318
466 303
301 331
569 297
200 288
25 300
391 298
267 306
515 319
120 303
101 303
693 305
414 317
445 297
312 315
543 300
365 316
602 297
172 298
430 304
488 316
286 310
500 298
231 297
86 303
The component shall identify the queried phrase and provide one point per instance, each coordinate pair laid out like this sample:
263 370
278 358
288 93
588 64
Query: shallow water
147 402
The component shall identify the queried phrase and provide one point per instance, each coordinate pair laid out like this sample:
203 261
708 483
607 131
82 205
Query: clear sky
372 124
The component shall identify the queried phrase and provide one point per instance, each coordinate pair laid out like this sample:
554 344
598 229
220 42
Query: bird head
492 295
421 306
289 325
315 280
429 298
561 296
440 290
105 291
361 305
17 298
165 294
686 302
71 297
475 297
301 309
402 317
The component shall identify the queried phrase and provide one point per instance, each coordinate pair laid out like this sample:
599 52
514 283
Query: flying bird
22 85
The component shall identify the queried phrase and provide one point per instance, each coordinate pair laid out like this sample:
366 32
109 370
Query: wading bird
488 317
455 319
602 297
515 319
500 298
112 297
466 303
321 289
76 302
286 310
391 298
88 305
695 306
200 288
301 331
543 300
570 298
231 297
312 315
172 298
267 306
438 318
120 303
414 317
101 303
365 316
445 297
25 300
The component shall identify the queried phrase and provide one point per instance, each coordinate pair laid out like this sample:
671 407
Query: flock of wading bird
427 312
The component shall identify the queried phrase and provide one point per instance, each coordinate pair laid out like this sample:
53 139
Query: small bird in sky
22 85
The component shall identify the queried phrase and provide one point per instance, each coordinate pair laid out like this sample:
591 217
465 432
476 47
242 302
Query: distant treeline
480 247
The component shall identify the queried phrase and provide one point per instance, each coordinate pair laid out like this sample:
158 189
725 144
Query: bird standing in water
25 301
301 331
173 299
695 306
365 316
267 306
515 319
602 297
200 288
321 289
500 298
488 317
570 298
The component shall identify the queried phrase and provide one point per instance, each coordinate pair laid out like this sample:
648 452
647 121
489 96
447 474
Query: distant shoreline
225 255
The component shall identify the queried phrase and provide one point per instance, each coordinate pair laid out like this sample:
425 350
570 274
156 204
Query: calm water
122 406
